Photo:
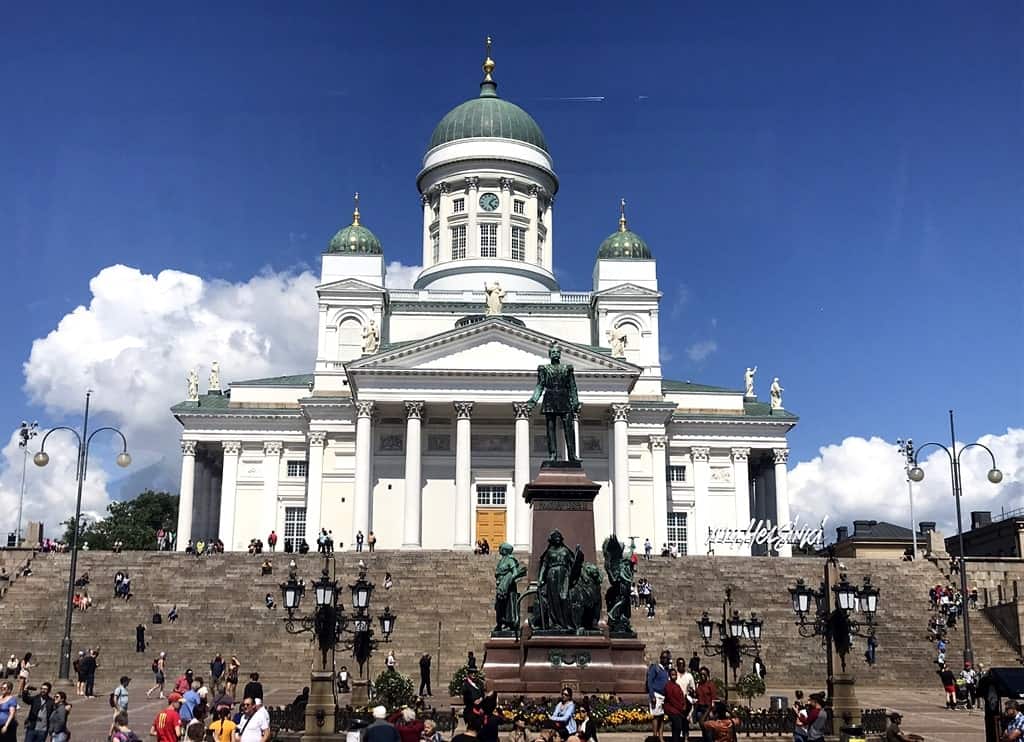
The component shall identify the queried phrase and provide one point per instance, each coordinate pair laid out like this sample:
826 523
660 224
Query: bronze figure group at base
567 594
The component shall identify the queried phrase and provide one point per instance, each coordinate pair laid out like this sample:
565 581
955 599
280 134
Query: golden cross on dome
488 62
355 214
622 215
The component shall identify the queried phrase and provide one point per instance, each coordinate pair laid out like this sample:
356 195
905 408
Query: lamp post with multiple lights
829 612
733 633
906 449
26 433
42 458
995 476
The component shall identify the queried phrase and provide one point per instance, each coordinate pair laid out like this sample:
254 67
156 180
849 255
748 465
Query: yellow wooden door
490 525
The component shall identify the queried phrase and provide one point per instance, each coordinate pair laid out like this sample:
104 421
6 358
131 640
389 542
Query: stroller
963 698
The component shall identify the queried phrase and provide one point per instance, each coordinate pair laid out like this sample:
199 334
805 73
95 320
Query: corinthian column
620 490
364 470
520 514
412 530
660 479
782 496
185 499
228 485
271 476
741 478
314 484
701 497
463 472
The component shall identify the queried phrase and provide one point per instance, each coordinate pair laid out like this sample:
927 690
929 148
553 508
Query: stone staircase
444 606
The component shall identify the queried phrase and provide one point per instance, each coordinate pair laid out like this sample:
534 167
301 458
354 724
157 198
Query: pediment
349 286
627 290
492 345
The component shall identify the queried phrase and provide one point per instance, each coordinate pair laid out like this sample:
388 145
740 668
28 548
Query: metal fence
772 722
293 718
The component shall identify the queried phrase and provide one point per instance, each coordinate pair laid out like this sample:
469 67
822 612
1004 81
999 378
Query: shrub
393 690
455 686
750 686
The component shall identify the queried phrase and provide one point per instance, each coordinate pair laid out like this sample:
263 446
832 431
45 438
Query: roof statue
193 386
495 298
776 394
371 338
748 382
617 339
214 385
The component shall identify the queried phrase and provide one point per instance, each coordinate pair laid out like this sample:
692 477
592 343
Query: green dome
355 238
623 243
488 116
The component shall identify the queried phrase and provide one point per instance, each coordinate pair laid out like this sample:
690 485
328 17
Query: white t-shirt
685 681
252 729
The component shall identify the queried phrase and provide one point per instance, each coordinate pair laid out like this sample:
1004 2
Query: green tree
133 522
750 686
393 690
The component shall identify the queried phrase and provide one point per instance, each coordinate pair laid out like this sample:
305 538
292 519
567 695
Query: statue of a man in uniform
557 382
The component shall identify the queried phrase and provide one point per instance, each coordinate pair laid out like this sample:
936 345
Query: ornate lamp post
733 634
995 476
906 449
330 625
42 459
26 432
829 612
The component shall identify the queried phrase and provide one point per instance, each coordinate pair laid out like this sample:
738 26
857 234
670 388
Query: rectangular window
294 524
540 250
459 242
488 240
490 495
519 207
458 205
518 243
677 474
677 532
296 468
435 245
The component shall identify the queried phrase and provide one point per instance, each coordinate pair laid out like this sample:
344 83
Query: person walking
231 676
140 638
57 723
24 670
167 724
159 675
122 732
425 675
380 730
949 685
88 666
121 696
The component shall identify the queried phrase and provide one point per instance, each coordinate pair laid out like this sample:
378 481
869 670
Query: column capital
232 448
658 442
700 453
781 455
535 190
521 410
740 454
272 448
188 448
364 408
620 412
463 410
414 410
472 183
424 199
317 437
442 187
507 184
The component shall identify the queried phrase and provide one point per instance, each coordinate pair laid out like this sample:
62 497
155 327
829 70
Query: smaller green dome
355 238
623 243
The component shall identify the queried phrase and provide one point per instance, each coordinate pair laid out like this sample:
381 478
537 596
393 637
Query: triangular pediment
627 289
349 286
491 345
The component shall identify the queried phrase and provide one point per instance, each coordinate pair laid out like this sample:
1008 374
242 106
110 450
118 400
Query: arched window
633 340
350 339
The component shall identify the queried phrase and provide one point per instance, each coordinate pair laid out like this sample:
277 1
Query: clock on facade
488 201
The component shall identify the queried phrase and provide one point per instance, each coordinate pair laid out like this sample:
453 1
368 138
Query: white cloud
701 350
400 276
864 479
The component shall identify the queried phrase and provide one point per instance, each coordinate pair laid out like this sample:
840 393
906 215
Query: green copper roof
672 385
622 243
355 238
488 116
293 380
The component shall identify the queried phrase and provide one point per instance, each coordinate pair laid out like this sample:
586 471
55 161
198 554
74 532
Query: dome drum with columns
411 422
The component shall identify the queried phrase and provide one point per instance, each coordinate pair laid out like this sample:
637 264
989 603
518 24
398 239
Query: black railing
293 718
774 722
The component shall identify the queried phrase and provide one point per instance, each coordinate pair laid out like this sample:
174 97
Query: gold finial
355 213
622 215
488 63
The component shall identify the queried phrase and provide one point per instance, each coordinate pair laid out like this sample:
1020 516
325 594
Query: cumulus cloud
400 276
701 350
864 479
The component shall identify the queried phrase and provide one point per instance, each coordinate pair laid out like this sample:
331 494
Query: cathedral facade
413 421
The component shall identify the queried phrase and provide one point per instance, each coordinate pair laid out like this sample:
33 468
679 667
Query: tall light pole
42 459
994 476
732 633
26 432
906 449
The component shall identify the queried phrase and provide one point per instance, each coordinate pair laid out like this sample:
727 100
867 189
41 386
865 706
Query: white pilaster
549 245
413 528
472 230
660 480
741 477
782 495
314 484
463 475
228 484
186 496
576 434
364 470
444 208
701 497
620 491
520 514
428 217
531 229
271 476
505 236
321 332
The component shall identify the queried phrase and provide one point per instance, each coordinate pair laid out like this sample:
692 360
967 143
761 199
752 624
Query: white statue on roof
371 338
214 377
748 382
495 298
193 386
776 392
617 341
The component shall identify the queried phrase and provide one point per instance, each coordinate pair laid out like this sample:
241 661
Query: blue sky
832 192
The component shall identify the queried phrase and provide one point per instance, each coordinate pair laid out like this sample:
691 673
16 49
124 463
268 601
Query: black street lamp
829 612
42 459
736 637
26 433
995 476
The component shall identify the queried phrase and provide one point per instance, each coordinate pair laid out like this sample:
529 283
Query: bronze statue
557 382
586 599
506 595
559 569
620 579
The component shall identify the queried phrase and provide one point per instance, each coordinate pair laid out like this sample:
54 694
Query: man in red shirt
167 724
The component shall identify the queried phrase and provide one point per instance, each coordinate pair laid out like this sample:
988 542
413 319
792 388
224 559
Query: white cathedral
413 422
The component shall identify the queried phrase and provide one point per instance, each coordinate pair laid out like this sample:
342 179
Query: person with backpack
119 698
121 732
159 677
